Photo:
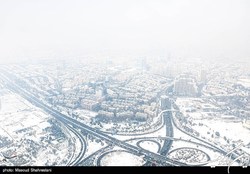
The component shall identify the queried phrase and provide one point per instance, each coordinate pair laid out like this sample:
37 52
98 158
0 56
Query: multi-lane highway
76 159
75 125
169 133
85 128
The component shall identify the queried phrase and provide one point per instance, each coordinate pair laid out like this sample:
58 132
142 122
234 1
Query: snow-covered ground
180 144
227 125
121 158
149 145
33 138
244 82
160 132
93 146
85 114
189 155
214 127
233 130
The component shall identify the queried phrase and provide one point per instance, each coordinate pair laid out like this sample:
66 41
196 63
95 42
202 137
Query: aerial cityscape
141 113
125 83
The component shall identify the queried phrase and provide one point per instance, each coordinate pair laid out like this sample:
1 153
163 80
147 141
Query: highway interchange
85 128
81 130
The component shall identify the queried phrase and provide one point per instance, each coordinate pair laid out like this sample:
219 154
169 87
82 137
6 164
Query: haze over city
124 83
49 29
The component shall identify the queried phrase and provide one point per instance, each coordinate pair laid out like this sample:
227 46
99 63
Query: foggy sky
124 28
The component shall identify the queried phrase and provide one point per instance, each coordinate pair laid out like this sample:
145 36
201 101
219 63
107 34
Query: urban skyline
124 83
142 113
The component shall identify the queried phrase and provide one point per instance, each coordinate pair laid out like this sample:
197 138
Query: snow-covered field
121 158
28 130
214 127
149 145
93 146
233 130
227 125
